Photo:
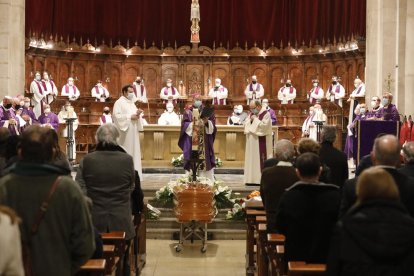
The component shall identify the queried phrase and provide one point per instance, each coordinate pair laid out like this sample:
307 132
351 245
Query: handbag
26 247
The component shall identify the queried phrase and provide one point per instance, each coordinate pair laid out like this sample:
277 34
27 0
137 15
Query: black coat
306 215
364 163
336 161
407 169
404 183
374 238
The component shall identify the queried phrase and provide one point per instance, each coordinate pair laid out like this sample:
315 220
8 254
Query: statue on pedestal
195 19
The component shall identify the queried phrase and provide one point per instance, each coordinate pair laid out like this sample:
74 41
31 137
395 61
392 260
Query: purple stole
221 102
67 89
166 93
337 89
313 100
103 118
262 144
39 87
359 89
9 114
44 86
290 91
142 90
307 120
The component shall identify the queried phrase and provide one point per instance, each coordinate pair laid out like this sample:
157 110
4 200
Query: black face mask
288 85
138 81
106 111
7 106
17 107
334 82
254 82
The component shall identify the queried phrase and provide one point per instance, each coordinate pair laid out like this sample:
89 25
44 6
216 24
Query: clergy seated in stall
389 111
50 90
169 117
258 131
374 113
360 115
335 92
316 94
376 237
254 90
307 213
68 112
199 121
8 117
70 90
127 118
309 127
218 93
276 179
357 97
238 117
287 93
106 117
27 113
169 93
48 118
99 92
265 103
139 90
36 89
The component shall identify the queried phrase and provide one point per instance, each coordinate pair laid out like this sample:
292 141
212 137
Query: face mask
169 84
170 109
356 85
217 84
138 81
38 78
311 112
67 107
334 82
7 106
27 104
17 107
384 101
315 84
288 85
254 111
99 84
236 112
106 111
265 104
70 83
47 110
373 104
131 96
254 82
197 103
46 77
362 110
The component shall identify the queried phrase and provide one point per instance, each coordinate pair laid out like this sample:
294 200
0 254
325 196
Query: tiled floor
223 257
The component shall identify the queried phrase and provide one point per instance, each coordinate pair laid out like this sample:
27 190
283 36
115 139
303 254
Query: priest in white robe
49 88
309 127
106 117
316 94
70 90
127 117
218 93
254 91
258 130
169 117
139 90
36 89
169 94
287 93
99 92
357 97
336 92
68 112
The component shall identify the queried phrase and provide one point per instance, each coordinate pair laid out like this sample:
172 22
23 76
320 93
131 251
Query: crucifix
388 82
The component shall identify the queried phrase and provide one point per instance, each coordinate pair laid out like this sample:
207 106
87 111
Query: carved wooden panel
95 74
296 76
222 72
311 72
277 77
327 73
150 77
169 71
64 74
260 72
130 74
115 82
194 77
240 77
80 78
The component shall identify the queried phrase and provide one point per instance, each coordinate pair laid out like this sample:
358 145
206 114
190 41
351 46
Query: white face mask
311 112
27 104
170 109
131 96
46 77
70 82
315 84
265 104
169 84
373 104
217 84
38 78
362 110
47 110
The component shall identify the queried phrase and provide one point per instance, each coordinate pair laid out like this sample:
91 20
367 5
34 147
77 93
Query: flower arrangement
223 195
152 212
179 161
238 211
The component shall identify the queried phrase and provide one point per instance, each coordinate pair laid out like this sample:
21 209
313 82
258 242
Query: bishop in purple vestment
8 118
49 119
389 111
185 140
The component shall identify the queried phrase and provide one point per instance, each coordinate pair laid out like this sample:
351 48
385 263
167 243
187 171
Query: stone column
389 50
12 47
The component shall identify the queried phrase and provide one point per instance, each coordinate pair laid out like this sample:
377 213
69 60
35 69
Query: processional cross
388 82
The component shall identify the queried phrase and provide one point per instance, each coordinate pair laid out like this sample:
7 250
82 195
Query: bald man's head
386 151
408 152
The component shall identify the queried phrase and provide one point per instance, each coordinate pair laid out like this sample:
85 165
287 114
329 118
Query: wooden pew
302 268
93 267
261 257
250 239
139 248
116 238
275 251
111 259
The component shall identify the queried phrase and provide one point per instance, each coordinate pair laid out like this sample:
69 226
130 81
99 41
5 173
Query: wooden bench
250 239
139 248
302 268
275 251
116 238
261 256
93 267
111 260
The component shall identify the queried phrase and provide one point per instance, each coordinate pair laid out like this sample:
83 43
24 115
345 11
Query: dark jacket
306 215
404 183
364 163
407 169
273 184
108 178
336 161
65 239
374 238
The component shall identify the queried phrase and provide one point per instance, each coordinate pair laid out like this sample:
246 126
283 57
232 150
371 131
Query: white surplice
309 128
64 114
129 129
169 119
253 130
36 89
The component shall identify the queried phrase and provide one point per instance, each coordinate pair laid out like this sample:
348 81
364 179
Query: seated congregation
316 221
